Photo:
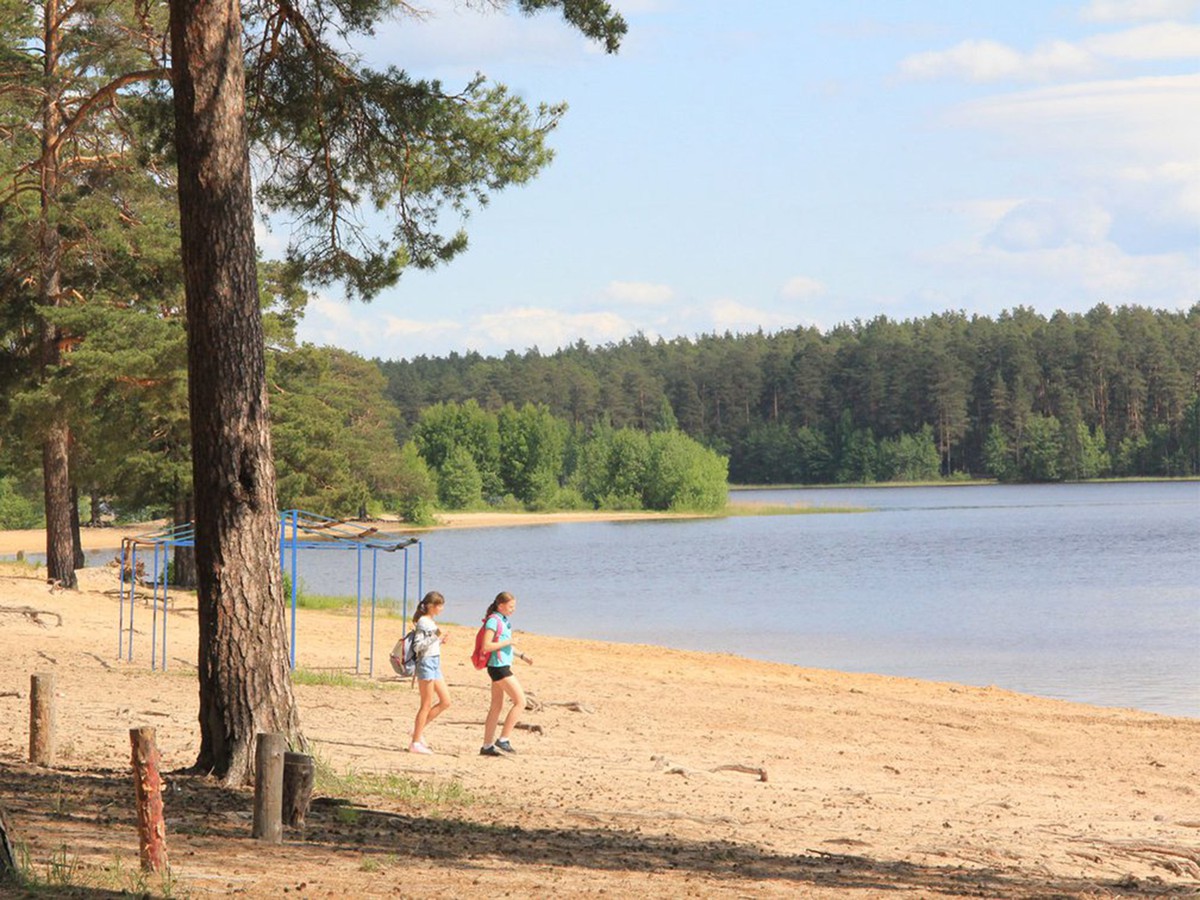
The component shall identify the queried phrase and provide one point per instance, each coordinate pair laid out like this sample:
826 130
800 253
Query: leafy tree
1042 456
460 486
70 172
532 443
683 475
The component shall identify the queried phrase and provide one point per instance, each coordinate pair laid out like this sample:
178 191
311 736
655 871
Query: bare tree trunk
185 557
76 539
56 478
245 684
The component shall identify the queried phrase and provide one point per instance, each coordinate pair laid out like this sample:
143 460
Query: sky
769 164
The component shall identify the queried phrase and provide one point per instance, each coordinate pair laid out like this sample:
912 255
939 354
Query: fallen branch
30 613
749 770
573 705
535 729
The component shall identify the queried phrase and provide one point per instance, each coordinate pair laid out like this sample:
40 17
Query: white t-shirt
428 637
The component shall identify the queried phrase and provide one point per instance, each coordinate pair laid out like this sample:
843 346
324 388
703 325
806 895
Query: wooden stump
41 719
298 774
268 788
152 830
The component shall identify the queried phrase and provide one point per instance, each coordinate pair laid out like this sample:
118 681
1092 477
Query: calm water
1080 592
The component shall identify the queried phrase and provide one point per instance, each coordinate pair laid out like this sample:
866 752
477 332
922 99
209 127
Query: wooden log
268 788
41 719
298 775
148 785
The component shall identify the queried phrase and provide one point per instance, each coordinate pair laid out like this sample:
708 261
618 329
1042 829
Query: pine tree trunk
76 538
184 567
245 684
56 478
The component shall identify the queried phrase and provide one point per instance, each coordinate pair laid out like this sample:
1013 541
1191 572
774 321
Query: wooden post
148 784
268 788
41 719
298 773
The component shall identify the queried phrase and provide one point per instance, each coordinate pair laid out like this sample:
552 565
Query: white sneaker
418 747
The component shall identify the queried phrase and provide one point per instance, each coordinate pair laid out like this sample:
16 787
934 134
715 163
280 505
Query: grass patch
328 679
783 509
337 603
358 786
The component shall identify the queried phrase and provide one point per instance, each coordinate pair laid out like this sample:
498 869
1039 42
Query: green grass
779 509
333 678
356 786
384 606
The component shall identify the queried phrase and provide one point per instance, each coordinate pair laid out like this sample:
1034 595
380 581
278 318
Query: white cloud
641 293
1164 40
802 288
730 315
1046 224
984 60
1138 10
548 329
1142 120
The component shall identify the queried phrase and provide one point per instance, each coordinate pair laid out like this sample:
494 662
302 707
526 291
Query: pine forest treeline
1022 397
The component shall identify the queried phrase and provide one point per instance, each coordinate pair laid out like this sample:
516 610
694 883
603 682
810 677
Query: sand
646 772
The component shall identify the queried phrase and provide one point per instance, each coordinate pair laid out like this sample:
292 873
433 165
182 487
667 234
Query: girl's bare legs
512 687
427 711
493 716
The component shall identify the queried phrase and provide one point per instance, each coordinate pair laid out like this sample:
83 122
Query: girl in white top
429 668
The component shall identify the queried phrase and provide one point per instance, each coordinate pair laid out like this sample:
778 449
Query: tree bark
185 557
148 786
245 685
77 554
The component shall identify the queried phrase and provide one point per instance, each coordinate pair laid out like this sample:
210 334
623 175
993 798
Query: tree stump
41 719
298 774
268 788
148 783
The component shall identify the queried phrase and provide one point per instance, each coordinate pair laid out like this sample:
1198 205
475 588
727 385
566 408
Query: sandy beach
643 772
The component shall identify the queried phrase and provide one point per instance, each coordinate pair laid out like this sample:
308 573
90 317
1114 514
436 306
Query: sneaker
505 746
489 751
418 747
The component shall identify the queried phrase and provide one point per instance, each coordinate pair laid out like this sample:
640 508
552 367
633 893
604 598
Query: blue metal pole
371 655
295 529
358 611
154 615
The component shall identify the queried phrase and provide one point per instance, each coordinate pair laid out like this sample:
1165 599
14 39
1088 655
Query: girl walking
498 641
430 682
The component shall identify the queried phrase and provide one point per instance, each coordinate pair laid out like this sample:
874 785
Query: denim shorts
429 668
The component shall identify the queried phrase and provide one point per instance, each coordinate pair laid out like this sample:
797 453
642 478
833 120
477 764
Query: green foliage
16 510
684 476
460 486
854 404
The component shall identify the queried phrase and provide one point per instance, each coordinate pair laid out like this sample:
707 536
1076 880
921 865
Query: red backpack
479 656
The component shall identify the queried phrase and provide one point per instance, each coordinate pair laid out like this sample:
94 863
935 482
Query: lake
1086 592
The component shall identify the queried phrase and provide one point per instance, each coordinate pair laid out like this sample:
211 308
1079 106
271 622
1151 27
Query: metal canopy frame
299 530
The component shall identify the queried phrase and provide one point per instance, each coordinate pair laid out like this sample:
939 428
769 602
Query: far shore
110 537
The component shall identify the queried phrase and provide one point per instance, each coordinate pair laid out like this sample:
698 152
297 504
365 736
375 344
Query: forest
1022 397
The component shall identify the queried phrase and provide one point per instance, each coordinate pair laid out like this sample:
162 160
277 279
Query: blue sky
771 164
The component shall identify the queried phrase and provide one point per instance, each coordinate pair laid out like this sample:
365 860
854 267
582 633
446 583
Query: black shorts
499 673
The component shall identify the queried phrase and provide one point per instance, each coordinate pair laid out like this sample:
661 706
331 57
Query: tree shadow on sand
101 805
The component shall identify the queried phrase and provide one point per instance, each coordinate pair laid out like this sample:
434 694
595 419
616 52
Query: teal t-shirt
504 656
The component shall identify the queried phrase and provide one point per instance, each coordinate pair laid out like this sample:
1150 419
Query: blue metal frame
299 530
